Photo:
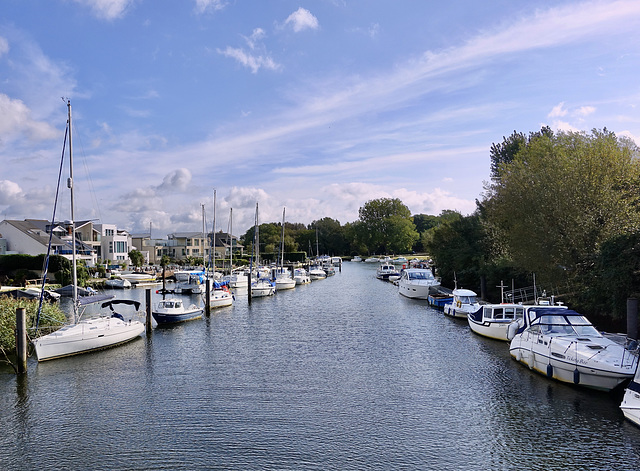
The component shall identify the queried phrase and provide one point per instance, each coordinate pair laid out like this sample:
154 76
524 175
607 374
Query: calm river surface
343 373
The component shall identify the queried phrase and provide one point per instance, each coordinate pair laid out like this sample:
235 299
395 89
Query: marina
340 373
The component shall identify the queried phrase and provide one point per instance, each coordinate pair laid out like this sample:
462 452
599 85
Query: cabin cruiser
417 283
317 273
562 344
284 279
385 270
301 276
630 405
262 287
464 302
492 320
172 310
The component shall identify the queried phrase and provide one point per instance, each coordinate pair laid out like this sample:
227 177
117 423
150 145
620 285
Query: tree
384 220
561 197
136 257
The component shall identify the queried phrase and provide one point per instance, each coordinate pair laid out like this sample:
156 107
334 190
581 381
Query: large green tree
561 197
388 225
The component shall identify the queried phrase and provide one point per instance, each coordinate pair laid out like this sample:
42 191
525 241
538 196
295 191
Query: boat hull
173 318
86 336
491 329
220 298
630 405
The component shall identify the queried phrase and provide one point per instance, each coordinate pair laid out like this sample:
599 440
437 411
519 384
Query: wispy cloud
203 6
107 9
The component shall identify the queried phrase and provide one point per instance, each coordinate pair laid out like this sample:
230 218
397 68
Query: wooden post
632 318
21 339
149 323
207 299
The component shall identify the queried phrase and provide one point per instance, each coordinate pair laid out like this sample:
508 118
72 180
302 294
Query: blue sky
316 106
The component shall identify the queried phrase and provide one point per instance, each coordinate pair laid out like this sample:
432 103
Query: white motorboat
172 310
385 270
118 283
219 295
284 279
239 279
371 260
463 303
91 334
138 277
562 344
492 320
317 273
336 261
630 405
417 283
301 276
357 258
262 287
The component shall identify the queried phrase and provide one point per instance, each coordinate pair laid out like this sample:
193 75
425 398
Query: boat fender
549 370
532 360
576 376
518 355
512 330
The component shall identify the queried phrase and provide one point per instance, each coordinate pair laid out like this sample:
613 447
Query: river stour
340 374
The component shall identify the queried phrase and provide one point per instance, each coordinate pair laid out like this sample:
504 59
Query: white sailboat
219 295
260 287
284 280
237 278
85 335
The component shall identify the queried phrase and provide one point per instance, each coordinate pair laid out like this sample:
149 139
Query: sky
313 106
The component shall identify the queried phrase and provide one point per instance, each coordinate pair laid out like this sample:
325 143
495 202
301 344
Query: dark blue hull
173 318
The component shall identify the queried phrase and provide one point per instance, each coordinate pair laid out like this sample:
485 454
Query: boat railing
528 295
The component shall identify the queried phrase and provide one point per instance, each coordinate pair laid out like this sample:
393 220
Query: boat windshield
467 299
420 275
570 325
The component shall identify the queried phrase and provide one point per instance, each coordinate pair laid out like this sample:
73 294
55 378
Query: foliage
561 197
383 221
51 318
136 257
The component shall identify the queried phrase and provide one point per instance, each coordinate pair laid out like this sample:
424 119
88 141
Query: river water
340 374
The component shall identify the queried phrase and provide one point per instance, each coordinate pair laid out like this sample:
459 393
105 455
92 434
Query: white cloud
4 46
557 111
257 35
15 119
585 110
302 19
107 9
203 6
9 192
253 62
177 180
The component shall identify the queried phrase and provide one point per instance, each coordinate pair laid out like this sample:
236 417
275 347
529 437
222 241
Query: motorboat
138 277
262 287
284 279
87 335
630 405
336 261
562 344
239 279
492 320
172 310
193 284
371 260
317 273
385 270
357 258
464 302
417 283
118 283
301 276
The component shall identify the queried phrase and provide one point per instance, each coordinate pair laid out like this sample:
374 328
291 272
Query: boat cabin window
467 299
420 275
583 327
168 304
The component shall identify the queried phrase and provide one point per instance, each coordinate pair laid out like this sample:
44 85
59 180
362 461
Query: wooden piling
21 339
632 318
207 299
149 324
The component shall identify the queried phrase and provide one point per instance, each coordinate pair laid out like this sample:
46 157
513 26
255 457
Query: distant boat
117 283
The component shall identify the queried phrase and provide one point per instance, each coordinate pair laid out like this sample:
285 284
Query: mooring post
149 324
632 318
21 339
207 299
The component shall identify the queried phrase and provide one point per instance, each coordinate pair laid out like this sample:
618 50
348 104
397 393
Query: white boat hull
88 335
220 298
496 330
630 405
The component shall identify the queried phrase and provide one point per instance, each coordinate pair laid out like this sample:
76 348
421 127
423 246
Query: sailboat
260 287
283 275
238 278
219 295
95 333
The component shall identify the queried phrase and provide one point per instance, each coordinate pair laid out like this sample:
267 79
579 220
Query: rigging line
53 219
86 171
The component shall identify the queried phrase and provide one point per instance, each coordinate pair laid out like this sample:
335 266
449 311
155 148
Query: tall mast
282 241
230 240
73 224
214 236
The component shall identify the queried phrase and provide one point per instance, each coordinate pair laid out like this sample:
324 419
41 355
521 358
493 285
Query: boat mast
282 243
73 224
231 240
213 242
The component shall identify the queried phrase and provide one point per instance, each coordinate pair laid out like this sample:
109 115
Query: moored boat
172 310
464 302
562 344
417 283
492 320
385 270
